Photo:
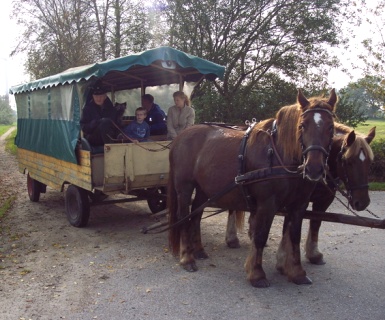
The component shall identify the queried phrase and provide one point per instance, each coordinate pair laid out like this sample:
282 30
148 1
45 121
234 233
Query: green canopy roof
163 65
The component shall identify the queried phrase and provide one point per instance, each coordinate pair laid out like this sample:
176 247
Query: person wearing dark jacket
100 118
156 117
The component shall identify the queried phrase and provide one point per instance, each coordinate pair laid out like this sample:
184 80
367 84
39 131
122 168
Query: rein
139 145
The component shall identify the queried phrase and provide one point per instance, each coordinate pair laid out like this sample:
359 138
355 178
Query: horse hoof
201 255
318 260
190 267
233 244
302 280
261 283
280 269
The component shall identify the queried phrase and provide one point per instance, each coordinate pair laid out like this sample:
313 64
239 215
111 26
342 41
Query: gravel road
110 270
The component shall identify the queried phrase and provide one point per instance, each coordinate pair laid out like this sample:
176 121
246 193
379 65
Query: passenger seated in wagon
100 120
156 117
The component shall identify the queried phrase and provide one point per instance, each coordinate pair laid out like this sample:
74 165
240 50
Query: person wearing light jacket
180 116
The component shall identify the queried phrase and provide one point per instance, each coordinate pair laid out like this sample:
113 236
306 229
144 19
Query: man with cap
99 118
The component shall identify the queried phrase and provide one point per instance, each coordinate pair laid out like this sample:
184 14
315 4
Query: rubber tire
33 188
77 206
157 204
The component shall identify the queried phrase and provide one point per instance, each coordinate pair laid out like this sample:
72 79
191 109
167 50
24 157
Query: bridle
316 147
305 151
342 160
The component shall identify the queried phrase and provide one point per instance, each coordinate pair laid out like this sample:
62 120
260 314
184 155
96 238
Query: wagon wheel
157 199
77 206
34 188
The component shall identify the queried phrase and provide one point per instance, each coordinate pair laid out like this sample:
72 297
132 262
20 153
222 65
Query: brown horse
207 159
349 161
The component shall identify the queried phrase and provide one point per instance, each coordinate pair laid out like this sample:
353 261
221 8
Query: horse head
316 126
353 162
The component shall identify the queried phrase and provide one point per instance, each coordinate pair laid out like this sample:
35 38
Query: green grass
4 128
9 143
11 148
378 123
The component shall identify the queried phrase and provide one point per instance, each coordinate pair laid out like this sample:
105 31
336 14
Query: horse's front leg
260 224
289 254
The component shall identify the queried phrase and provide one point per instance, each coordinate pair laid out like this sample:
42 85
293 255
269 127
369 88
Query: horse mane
287 119
288 133
340 128
359 143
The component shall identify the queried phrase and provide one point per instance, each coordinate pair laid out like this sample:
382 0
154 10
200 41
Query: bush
377 169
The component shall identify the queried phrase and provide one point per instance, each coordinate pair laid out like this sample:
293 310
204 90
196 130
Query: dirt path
109 270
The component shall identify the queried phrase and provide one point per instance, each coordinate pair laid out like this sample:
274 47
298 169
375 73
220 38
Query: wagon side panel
54 172
130 166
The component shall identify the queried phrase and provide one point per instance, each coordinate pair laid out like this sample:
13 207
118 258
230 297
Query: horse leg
284 248
231 229
312 252
187 260
260 224
199 199
288 254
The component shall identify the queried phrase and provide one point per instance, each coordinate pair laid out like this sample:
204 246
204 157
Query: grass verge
11 148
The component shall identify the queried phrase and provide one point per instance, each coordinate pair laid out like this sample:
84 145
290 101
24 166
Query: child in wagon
138 130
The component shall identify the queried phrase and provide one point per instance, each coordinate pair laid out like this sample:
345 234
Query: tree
252 39
351 106
57 35
61 34
7 115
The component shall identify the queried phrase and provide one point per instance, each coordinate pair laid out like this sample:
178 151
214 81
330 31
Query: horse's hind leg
311 246
195 230
187 260
231 229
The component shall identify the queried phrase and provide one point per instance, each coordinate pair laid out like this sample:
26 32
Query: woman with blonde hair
180 116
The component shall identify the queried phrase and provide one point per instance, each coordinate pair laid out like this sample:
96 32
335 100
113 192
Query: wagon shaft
343 218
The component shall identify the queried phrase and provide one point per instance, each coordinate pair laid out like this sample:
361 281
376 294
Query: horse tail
240 220
172 204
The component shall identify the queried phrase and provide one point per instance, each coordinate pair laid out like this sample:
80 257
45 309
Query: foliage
255 38
376 186
249 103
7 115
350 107
374 56
61 34
377 169
373 93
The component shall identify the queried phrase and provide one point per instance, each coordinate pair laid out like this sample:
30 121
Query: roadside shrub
377 169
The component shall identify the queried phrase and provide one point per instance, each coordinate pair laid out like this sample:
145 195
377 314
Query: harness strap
241 167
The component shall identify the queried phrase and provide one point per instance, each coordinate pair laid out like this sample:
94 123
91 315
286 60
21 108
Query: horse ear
371 135
304 103
351 138
333 98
